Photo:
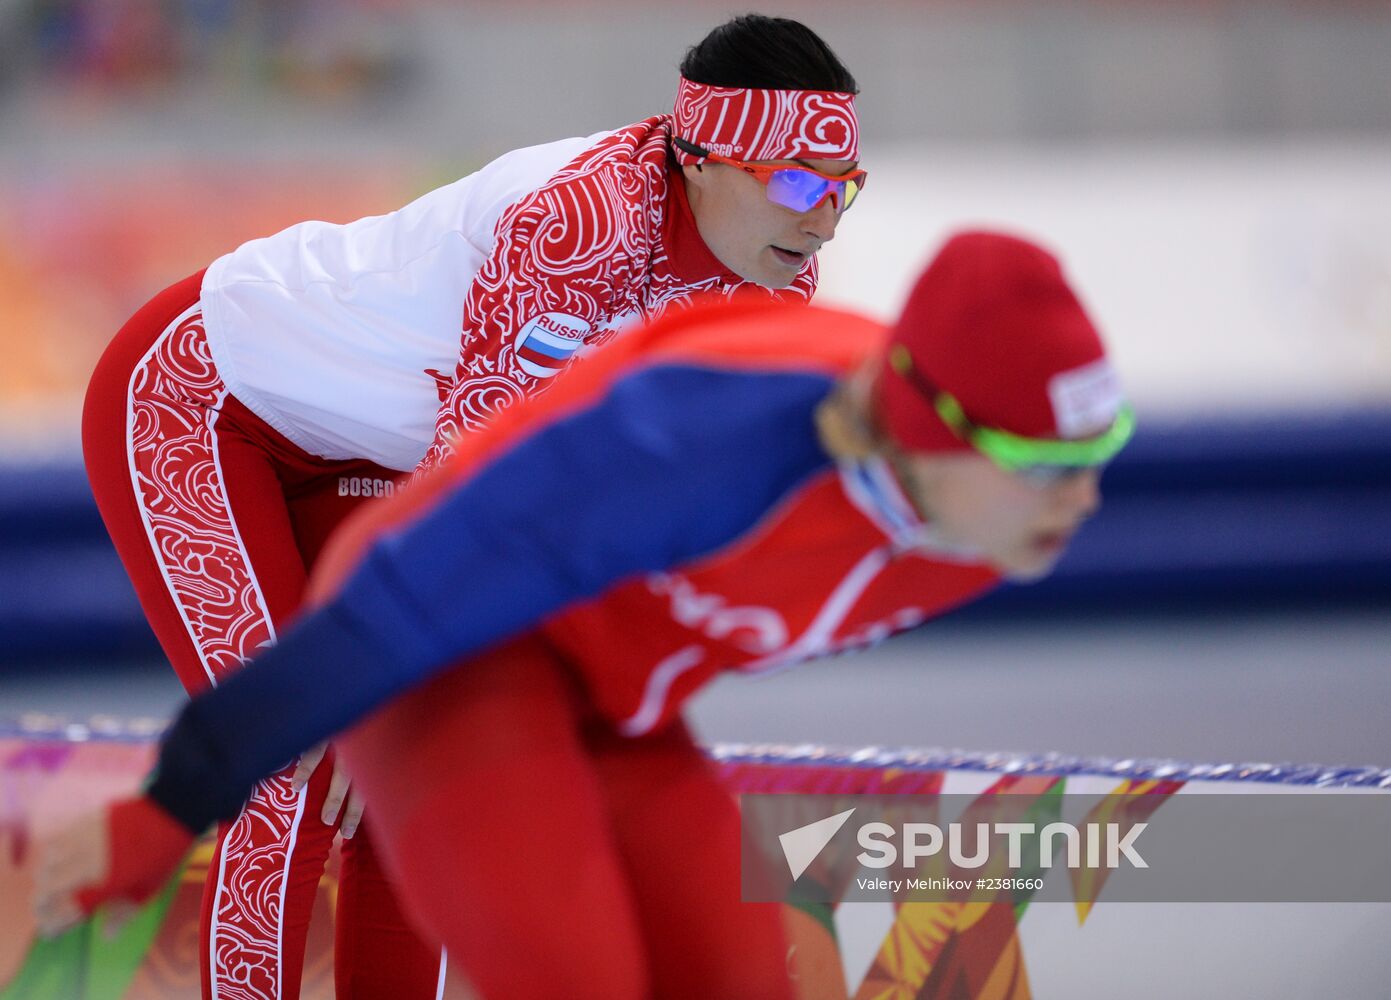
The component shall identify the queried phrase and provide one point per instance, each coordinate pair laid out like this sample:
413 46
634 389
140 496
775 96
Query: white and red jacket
385 338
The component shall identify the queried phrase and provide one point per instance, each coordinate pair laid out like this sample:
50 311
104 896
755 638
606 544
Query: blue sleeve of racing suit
673 462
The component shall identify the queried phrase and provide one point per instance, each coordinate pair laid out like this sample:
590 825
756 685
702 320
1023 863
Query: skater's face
758 240
1021 525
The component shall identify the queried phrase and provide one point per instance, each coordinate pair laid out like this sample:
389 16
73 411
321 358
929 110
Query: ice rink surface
1310 688
1307 688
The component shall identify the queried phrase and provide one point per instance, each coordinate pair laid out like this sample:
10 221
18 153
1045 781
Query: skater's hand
127 851
339 790
70 860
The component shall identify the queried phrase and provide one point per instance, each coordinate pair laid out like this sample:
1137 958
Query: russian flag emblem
546 343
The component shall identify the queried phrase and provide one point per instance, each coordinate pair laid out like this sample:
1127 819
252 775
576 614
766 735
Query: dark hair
768 53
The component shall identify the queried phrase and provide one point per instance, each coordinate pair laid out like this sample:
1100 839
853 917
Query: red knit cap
993 322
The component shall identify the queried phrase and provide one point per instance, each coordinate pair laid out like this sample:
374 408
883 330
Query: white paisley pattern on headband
750 124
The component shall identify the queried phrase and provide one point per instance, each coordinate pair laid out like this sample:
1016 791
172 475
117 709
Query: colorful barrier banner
1009 950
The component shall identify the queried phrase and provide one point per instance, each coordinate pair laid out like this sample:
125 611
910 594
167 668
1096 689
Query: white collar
873 488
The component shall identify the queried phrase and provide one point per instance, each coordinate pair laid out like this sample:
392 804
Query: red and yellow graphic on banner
939 950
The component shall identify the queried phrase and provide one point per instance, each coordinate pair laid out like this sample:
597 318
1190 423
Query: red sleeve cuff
145 846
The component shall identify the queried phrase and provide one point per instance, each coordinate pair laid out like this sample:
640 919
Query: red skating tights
554 858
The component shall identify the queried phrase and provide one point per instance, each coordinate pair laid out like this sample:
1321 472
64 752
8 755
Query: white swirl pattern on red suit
588 244
174 397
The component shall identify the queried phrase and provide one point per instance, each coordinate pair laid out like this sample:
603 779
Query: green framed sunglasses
1039 458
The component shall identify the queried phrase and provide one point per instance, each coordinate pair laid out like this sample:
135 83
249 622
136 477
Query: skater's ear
845 422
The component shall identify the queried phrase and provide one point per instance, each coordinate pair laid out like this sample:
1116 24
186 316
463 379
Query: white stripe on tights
444 968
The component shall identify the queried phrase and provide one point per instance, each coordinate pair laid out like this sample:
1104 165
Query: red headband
747 124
